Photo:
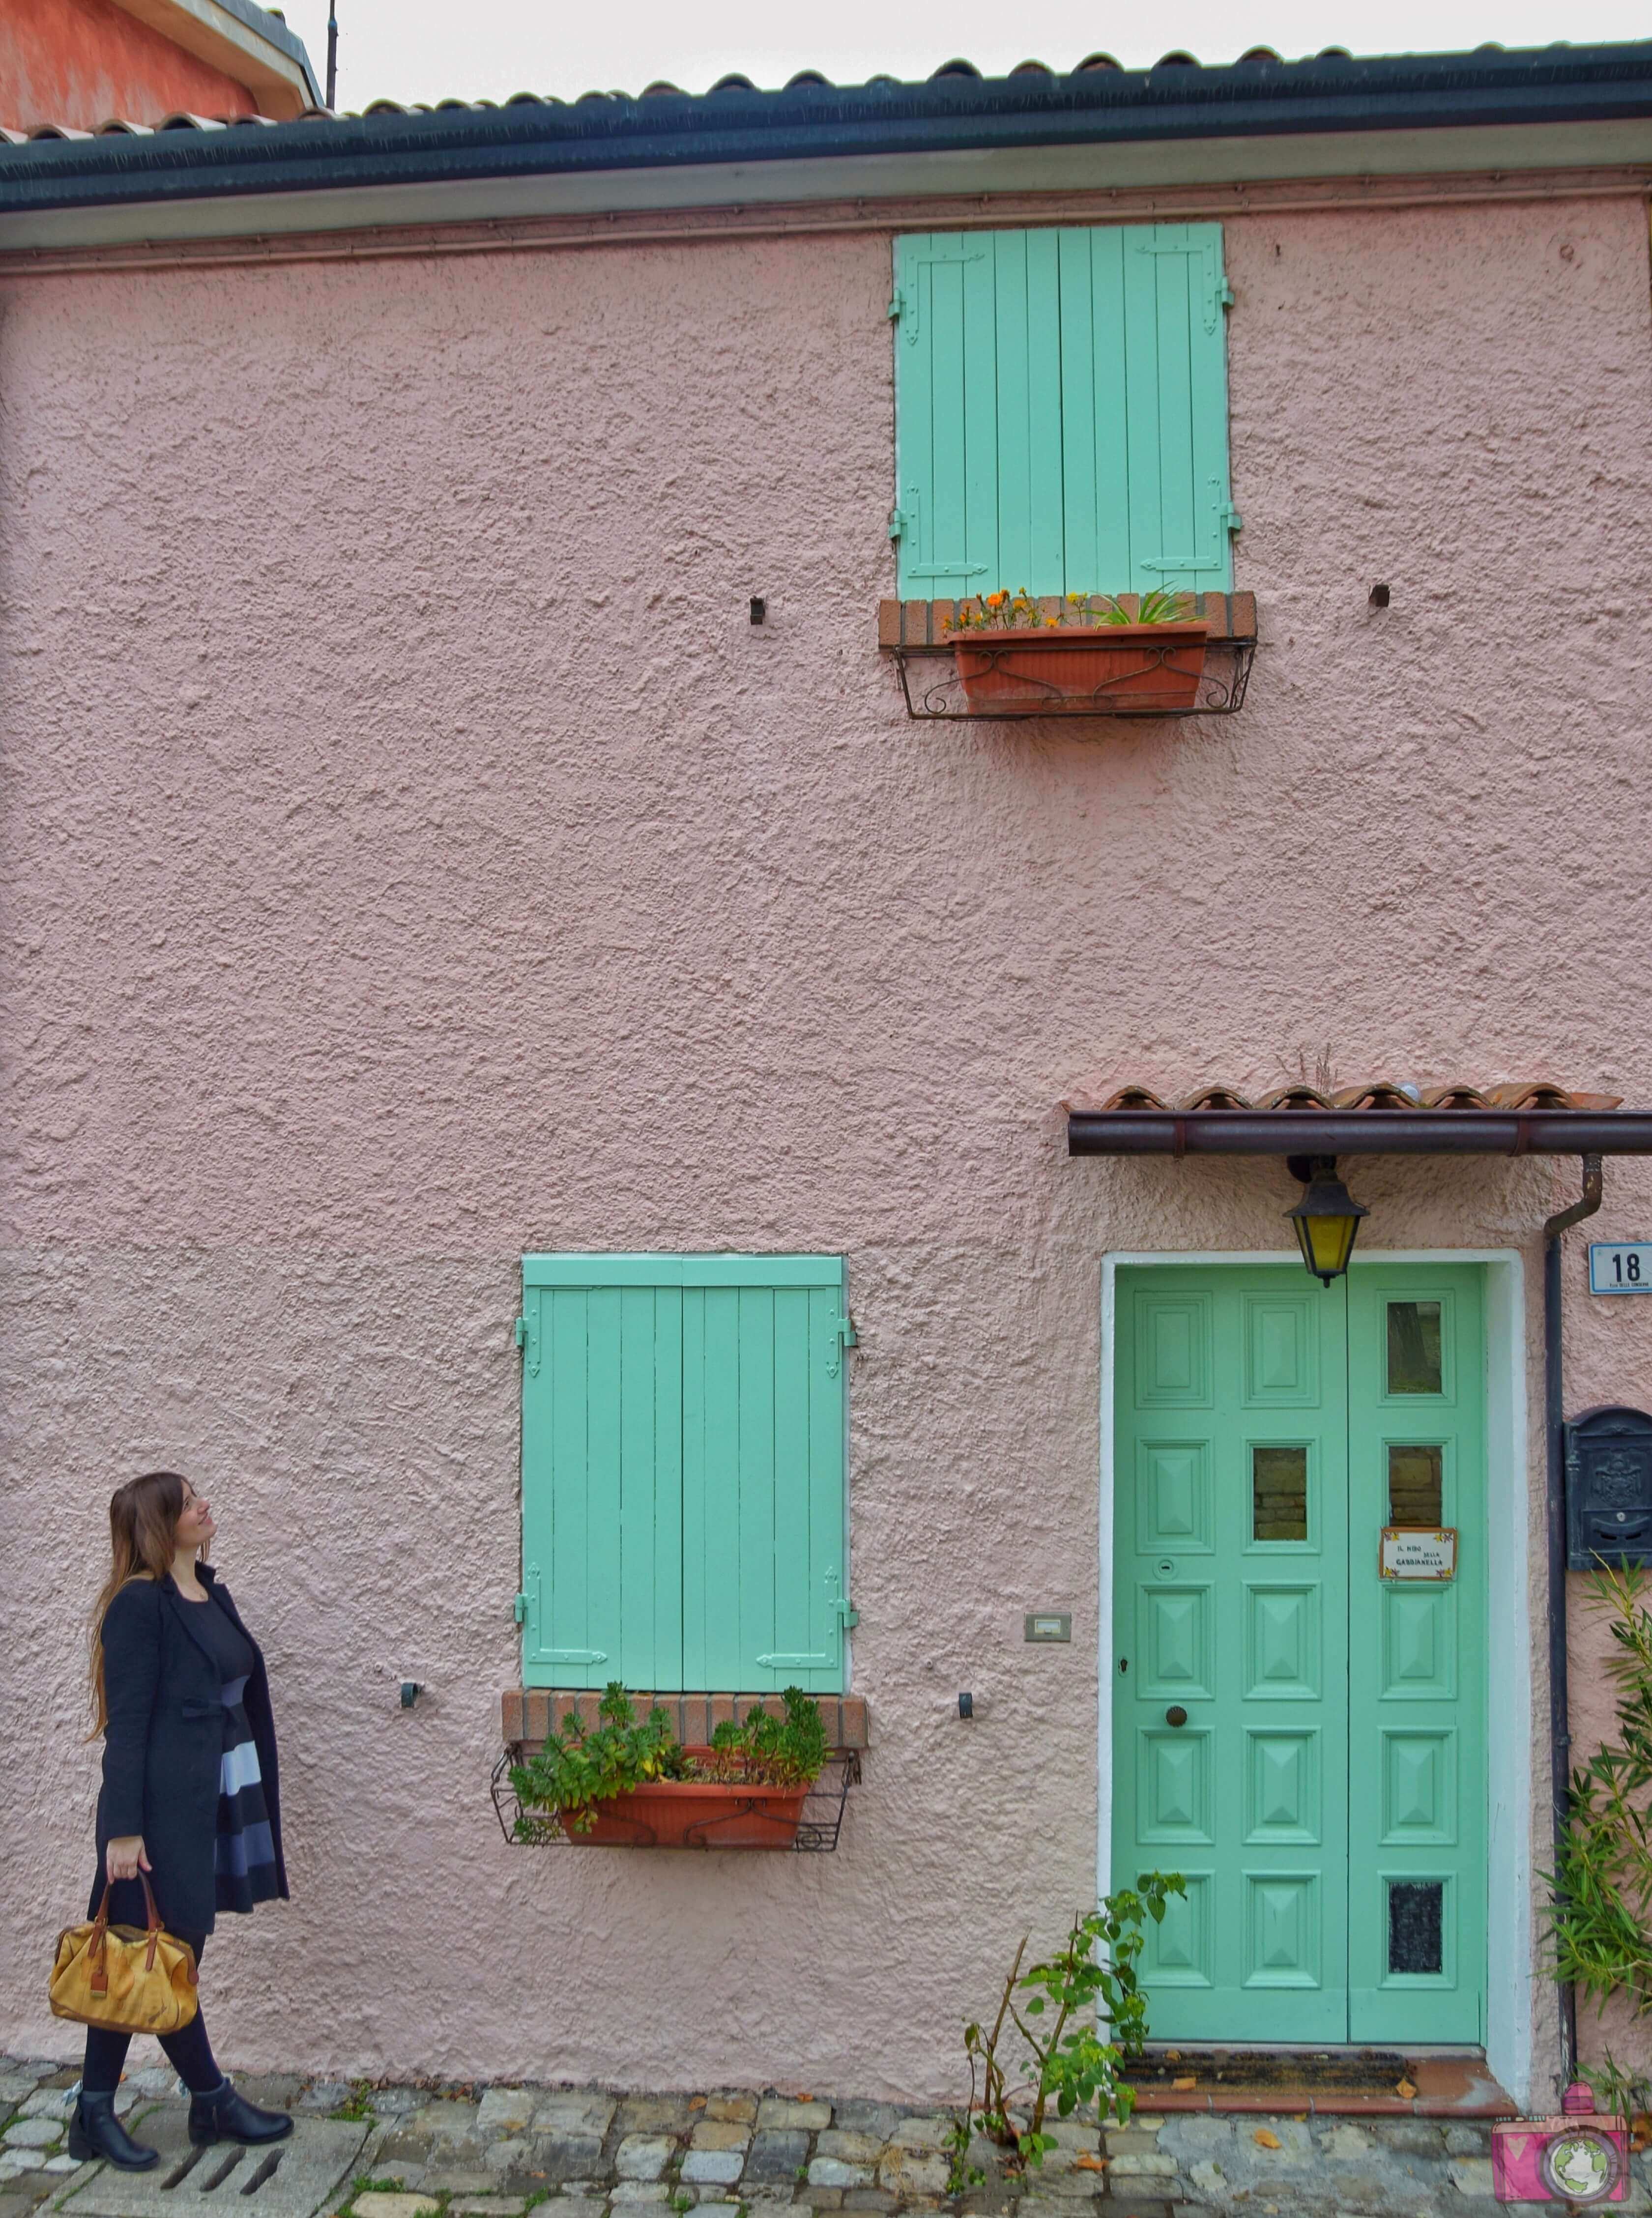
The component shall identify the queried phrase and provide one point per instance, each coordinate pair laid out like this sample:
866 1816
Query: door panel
1417 1810
1324 1793
1231 1605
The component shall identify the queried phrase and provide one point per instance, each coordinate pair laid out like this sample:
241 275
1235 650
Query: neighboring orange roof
72 66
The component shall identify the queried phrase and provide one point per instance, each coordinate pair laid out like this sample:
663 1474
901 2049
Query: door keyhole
1175 1715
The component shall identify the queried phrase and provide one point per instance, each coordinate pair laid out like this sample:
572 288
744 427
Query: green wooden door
1417 1802
1302 1741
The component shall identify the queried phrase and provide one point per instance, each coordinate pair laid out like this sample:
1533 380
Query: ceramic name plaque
1419 1552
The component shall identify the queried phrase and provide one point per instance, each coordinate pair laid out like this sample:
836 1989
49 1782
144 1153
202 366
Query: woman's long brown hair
143 1531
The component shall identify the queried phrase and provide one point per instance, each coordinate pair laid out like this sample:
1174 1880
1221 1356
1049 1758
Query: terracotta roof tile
1374 1096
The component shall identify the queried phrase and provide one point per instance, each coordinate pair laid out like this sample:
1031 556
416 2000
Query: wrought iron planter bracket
935 697
817 1831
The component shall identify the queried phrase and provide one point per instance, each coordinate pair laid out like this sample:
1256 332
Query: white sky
431 50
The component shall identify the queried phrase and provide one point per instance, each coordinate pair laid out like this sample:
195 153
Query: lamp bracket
1306 1167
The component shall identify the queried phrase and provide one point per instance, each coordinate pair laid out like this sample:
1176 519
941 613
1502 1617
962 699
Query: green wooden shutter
1061 410
683 1470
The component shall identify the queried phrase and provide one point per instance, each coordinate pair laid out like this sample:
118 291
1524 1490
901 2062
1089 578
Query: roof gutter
1544 91
1359 1132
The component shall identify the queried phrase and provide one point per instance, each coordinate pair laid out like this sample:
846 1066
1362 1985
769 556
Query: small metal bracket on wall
934 693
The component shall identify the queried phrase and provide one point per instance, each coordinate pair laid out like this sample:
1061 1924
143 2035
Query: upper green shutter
682 1471
1061 410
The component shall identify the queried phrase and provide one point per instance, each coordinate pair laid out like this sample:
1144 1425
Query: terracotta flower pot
695 1813
1091 670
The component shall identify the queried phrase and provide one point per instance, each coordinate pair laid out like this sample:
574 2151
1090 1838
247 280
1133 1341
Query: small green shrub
1093 1972
1602 1907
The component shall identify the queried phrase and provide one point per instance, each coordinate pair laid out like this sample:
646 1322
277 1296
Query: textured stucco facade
411 856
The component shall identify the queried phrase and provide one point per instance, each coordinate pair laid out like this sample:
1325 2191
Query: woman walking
188 1797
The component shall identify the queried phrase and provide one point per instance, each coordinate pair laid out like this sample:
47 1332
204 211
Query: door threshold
1420 2082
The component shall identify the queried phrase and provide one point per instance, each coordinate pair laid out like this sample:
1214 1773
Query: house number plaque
1620 1266
1419 1552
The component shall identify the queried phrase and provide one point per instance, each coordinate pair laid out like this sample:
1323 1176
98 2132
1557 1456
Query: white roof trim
1154 165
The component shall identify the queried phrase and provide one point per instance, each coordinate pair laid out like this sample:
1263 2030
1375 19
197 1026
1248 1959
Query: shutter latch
519 1608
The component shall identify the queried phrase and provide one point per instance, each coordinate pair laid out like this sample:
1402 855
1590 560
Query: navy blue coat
164 1747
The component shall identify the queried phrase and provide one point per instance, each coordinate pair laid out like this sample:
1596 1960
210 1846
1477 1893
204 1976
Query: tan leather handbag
116 1976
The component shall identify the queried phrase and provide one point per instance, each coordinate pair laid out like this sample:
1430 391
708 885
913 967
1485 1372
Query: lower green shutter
683 1471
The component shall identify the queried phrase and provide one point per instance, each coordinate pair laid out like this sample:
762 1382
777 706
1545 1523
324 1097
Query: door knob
1175 1715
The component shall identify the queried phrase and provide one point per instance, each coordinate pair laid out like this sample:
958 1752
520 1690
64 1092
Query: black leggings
189 2053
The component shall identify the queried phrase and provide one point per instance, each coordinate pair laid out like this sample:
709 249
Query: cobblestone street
500 2152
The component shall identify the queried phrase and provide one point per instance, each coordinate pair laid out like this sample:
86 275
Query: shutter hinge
897 523
848 1614
1225 293
896 306
522 1332
842 1336
519 1610
1231 518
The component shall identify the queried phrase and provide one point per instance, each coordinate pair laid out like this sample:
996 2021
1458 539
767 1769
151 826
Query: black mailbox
1608 1489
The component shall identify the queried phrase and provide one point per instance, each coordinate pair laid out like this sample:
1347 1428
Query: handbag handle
96 1948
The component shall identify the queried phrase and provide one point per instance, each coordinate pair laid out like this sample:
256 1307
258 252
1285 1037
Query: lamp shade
1326 1221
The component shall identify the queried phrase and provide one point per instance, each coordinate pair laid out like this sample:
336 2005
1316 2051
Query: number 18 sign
1620 1266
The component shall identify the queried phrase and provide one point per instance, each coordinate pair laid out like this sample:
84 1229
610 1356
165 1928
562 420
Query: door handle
1175 1715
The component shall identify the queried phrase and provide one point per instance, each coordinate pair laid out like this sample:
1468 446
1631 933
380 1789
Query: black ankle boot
224 2115
95 2131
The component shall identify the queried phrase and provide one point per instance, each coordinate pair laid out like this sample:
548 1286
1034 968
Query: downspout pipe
1560 1732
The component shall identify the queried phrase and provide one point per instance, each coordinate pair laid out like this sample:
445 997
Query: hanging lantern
1327 1220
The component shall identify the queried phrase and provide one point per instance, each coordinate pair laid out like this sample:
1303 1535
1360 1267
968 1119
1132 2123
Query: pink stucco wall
410 855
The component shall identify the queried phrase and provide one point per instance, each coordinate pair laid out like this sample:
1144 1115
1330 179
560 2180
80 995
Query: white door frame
1510 1966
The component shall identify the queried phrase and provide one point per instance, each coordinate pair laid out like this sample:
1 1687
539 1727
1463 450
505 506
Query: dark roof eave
1359 1132
1544 86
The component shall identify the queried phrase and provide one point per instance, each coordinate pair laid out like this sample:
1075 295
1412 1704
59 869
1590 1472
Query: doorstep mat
1307 2071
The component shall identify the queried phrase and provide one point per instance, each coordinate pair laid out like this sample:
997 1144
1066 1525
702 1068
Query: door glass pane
1414 1484
1415 1938
1279 1494
1414 1348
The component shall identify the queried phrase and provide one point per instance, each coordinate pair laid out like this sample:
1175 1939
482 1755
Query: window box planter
609 1781
695 1813
1087 670
952 672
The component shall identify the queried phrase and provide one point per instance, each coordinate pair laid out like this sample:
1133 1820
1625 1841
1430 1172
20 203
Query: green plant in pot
769 1751
582 1766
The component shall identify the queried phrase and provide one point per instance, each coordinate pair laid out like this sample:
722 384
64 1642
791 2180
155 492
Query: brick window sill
923 625
528 1713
